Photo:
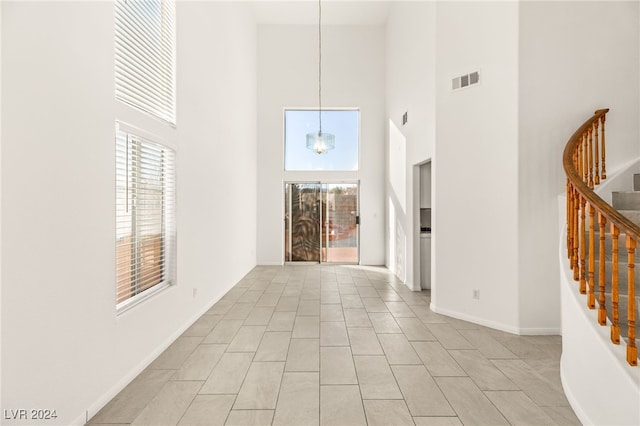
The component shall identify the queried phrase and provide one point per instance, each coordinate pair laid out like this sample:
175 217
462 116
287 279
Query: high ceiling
334 12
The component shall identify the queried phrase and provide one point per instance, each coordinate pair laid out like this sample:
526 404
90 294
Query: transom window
343 124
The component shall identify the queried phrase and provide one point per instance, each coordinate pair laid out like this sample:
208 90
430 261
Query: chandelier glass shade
321 142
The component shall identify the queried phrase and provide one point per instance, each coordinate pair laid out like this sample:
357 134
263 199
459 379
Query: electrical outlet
195 292
476 294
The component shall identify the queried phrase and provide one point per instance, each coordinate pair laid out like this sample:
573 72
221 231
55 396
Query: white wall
63 347
475 171
410 80
352 76
565 75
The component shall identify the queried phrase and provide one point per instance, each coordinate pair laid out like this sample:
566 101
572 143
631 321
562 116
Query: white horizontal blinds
145 56
145 216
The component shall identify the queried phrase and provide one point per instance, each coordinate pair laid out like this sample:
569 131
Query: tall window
145 217
145 56
343 124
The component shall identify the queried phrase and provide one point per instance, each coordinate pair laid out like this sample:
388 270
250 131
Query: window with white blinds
145 56
145 218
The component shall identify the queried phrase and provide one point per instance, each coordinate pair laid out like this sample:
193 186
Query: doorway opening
321 222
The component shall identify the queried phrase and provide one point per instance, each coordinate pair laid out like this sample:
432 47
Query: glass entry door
321 222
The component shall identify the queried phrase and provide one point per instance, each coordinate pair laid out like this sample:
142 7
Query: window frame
128 179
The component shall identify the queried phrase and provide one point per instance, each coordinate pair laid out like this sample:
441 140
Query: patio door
321 222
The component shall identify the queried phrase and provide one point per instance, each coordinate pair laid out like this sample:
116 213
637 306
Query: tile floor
342 345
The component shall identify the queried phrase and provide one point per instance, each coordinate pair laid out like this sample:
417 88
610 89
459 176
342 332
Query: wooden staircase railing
584 164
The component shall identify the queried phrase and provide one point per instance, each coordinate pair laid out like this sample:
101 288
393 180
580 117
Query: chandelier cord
320 64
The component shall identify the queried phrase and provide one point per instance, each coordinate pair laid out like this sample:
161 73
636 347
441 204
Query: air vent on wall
465 80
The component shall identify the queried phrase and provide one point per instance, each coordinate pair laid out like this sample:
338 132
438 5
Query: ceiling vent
465 80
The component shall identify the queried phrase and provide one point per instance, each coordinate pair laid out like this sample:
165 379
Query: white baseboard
496 325
94 408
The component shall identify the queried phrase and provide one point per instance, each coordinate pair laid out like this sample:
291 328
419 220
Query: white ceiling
334 12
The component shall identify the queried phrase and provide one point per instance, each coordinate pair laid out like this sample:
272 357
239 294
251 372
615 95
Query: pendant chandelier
320 142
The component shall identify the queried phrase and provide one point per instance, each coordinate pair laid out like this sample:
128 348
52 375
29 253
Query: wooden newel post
632 350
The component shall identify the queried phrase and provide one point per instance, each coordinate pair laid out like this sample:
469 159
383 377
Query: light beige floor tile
398 349
287 303
220 308
203 326
201 362
208 410
420 391
341 405
336 366
274 346
306 328
400 310
228 374
518 408
351 301
260 388
250 418
333 334
357 318
437 359
259 315
347 290
449 337
384 323
562 415
367 291
331 313
309 308
375 378
486 375
414 329
364 341
303 355
268 299
282 321
169 405
487 345
471 405
385 413
330 297
299 400
247 339
128 404
374 304
176 354
531 382
389 296
250 296
223 332
239 311
437 421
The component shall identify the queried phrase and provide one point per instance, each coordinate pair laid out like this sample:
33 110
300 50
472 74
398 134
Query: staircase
628 204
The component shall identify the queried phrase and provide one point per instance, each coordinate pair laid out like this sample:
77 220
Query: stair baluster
615 328
595 155
632 351
591 299
602 310
603 173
